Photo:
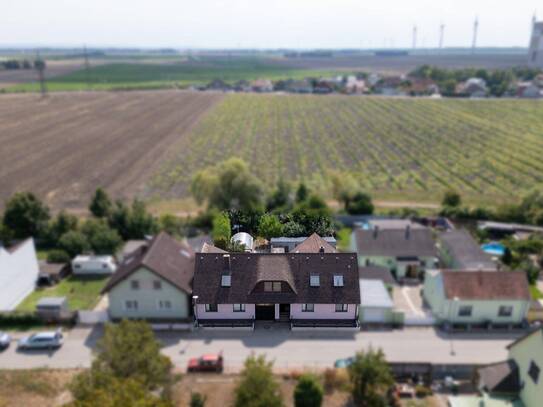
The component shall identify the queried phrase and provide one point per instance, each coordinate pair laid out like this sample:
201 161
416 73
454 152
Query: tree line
14 64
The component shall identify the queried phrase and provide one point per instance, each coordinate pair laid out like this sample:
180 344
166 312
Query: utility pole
87 66
441 35
39 65
414 37
475 29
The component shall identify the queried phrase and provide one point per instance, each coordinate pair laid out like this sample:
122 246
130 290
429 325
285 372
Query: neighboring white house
18 274
93 265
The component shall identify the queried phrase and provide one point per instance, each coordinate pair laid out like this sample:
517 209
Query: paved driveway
289 349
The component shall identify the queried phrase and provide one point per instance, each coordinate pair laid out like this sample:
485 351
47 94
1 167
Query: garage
376 305
265 312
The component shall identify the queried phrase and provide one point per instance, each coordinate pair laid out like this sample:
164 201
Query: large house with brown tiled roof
154 282
316 289
477 297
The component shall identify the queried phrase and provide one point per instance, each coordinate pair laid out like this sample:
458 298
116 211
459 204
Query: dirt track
64 146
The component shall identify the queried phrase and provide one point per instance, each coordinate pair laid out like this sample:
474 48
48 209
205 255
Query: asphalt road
289 350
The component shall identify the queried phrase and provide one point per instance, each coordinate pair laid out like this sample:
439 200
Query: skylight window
338 280
226 280
314 281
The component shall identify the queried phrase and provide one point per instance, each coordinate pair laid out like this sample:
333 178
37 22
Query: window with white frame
157 285
226 280
505 311
338 280
212 308
164 304
131 305
308 307
465 311
314 281
135 284
239 307
342 307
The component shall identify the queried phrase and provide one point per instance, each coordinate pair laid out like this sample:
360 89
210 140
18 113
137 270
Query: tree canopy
100 205
370 378
270 226
25 215
257 386
308 392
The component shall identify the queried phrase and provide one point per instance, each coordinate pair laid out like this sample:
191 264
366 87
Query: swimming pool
495 249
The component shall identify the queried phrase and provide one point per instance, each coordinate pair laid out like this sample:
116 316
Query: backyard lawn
82 293
536 294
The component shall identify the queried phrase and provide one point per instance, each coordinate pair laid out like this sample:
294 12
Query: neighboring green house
520 376
406 252
154 282
477 297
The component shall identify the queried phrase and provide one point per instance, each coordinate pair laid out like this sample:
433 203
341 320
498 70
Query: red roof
486 285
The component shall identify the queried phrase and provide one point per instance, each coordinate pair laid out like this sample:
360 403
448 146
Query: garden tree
222 231
25 215
507 257
102 239
531 207
61 224
314 216
293 229
370 378
308 392
451 199
257 387
100 205
228 185
74 243
301 193
280 199
247 220
119 219
344 187
170 224
141 223
269 226
531 270
6 235
197 400
360 204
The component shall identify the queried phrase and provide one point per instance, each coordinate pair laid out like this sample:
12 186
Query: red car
206 363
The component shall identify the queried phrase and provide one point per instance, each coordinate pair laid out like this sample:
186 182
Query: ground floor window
239 307
212 308
164 304
505 311
131 305
308 307
465 311
342 307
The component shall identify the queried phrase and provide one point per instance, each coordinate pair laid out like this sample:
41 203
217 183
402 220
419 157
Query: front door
284 309
265 312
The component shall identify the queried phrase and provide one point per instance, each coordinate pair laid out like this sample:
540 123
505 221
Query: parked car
343 363
42 340
206 363
5 340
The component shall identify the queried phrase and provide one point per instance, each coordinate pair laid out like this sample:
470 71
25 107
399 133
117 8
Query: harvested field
65 145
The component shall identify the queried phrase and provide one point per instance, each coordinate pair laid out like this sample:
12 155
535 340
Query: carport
375 303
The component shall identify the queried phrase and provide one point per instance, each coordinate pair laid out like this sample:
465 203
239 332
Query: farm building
405 252
459 250
93 265
18 273
154 282
477 297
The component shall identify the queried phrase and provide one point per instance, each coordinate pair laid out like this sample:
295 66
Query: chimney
226 262
321 249
407 231
375 231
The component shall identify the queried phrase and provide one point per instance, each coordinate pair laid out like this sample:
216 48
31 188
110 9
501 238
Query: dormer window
272 286
226 280
338 280
314 281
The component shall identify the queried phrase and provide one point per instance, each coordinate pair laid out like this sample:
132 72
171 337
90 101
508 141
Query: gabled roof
465 250
294 269
406 242
209 248
500 378
374 294
376 273
486 285
313 244
164 256
529 334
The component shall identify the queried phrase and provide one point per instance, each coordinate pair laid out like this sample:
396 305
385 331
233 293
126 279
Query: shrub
257 387
74 243
308 392
58 256
336 379
422 391
19 320
197 400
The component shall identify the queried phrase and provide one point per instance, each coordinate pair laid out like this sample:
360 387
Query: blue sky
262 24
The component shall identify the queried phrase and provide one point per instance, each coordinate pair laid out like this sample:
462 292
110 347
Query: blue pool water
495 249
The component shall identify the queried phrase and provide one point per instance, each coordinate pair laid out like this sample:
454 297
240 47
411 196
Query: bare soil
64 146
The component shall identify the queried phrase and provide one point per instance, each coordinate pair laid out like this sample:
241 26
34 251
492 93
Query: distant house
262 86
390 86
421 87
376 305
473 87
299 86
290 244
324 87
18 273
93 265
528 90
154 282
355 86
218 84
315 289
242 86
405 252
520 376
459 250
477 297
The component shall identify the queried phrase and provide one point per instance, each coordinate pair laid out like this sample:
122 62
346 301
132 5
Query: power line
87 66
39 65
475 29
414 37
441 35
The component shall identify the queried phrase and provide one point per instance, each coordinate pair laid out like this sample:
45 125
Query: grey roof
197 242
164 256
374 294
395 243
383 224
501 377
376 273
247 270
465 251
209 248
278 240
51 302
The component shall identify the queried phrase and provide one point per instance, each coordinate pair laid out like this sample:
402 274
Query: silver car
5 340
41 340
